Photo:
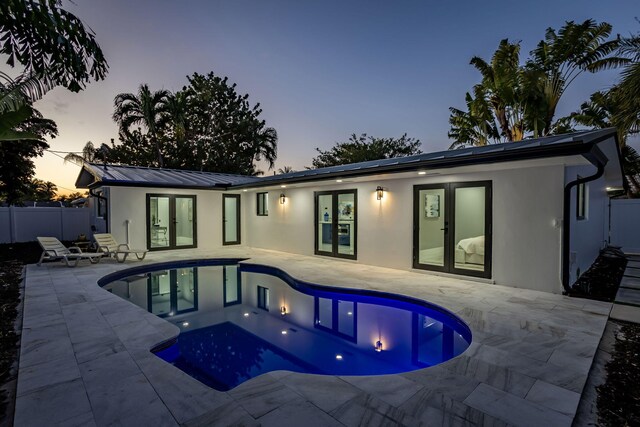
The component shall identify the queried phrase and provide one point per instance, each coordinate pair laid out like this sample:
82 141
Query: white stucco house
531 214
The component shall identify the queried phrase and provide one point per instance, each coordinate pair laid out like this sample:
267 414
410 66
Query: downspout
106 207
566 220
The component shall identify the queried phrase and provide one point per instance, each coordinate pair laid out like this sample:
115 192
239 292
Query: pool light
379 193
338 357
284 332
378 346
185 324
246 315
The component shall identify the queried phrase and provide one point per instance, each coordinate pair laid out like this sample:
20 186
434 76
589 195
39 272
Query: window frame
581 200
262 300
265 203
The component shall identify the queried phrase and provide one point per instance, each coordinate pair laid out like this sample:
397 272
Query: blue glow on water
239 321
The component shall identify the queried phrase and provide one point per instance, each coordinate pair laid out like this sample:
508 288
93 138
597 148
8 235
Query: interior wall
431 234
469 215
526 240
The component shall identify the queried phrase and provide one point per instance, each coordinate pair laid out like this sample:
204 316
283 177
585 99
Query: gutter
598 159
106 202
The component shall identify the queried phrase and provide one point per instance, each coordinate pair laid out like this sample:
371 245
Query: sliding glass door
230 219
171 221
452 228
336 223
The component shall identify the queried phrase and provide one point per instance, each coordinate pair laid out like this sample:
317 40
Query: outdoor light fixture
282 198
338 180
338 357
284 332
283 186
422 173
283 310
378 346
185 324
246 315
379 193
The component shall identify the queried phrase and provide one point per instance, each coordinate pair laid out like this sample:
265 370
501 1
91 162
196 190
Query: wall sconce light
379 193
283 310
282 198
378 346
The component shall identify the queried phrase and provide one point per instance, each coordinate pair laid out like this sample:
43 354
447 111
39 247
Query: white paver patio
85 357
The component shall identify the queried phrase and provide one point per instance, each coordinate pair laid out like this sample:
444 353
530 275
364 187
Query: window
101 206
263 298
581 208
263 204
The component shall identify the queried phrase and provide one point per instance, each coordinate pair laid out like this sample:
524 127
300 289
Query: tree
147 110
16 162
285 169
521 100
65 198
50 43
365 148
89 154
42 191
54 48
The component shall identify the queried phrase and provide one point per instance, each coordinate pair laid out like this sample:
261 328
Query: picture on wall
432 205
345 209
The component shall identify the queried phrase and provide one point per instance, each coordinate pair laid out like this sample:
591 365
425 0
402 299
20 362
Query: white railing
23 224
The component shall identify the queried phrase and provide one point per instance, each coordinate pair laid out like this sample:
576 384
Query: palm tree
89 154
266 146
501 84
475 126
561 57
285 169
146 109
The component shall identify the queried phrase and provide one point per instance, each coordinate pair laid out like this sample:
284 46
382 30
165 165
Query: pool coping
528 370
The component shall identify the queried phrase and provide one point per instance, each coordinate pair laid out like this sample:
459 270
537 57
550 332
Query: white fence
625 224
20 224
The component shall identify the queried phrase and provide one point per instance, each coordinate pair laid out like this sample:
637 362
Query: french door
336 223
230 219
171 221
452 228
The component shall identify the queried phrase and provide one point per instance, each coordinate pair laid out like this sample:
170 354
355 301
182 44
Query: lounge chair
53 250
110 247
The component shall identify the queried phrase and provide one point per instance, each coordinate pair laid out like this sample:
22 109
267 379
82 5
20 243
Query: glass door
452 228
171 221
336 223
230 219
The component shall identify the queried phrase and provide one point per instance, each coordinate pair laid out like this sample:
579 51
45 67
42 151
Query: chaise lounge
53 250
109 246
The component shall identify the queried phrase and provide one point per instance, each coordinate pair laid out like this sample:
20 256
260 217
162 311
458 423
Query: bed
467 251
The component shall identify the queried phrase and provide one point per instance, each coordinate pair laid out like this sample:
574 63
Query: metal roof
93 174
551 146
576 143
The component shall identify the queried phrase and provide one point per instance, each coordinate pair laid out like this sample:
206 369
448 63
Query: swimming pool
240 320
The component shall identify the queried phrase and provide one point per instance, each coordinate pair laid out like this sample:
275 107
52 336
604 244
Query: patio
85 357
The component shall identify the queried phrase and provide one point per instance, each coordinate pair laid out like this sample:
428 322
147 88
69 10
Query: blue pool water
239 321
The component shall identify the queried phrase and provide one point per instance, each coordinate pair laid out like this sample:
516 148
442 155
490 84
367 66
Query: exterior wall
130 203
624 224
526 201
588 235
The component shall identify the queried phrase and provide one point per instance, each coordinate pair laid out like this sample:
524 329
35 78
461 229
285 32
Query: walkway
627 303
85 357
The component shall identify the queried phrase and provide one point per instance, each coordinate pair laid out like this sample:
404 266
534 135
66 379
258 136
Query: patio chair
110 247
53 250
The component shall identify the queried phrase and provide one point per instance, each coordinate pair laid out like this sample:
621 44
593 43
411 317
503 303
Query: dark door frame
334 223
224 219
450 228
171 227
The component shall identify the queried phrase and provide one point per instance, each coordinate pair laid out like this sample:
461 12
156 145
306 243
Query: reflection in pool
238 321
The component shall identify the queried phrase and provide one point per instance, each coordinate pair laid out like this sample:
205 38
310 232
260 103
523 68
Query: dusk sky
320 70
